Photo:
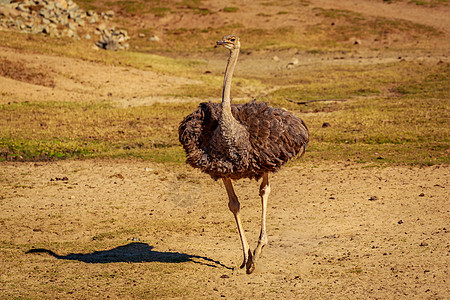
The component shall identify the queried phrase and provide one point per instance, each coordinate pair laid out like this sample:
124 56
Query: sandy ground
335 231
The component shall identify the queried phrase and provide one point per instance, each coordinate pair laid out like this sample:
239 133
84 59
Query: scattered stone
112 39
141 35
9 12
275 58
71 26
400 222
292 64
118 175
59 18
153 38
62 4
80 21
110 14
60 179
373 198
423 244
101 27
421 195
326 124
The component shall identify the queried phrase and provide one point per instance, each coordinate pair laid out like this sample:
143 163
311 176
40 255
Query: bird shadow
132 253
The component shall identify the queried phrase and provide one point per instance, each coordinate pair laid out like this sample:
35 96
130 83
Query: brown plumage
274 136
234 141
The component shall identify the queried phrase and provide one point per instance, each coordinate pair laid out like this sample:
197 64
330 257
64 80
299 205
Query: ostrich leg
234 206
264 191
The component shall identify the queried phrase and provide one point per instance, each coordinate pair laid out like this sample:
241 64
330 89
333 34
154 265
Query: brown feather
274 137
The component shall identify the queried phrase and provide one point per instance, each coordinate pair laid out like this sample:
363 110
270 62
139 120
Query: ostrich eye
233 40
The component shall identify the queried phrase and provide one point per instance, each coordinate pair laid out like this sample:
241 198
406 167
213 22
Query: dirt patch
17 70
135 229
437 17
82 81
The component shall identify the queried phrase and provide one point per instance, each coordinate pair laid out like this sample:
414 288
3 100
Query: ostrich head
231 42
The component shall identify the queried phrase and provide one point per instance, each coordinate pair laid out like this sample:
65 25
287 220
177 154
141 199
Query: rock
112 39
70 33
110 13
60 18
22 8
153 38
373 198
93 19
290 66
101 26
61 4
37 29
50 6
73 6
293 63
45 13
9 12
326 124
141 35
72 15
80 21
71 26
275 58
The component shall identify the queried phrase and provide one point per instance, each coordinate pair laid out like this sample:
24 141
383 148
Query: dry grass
395 113
390 108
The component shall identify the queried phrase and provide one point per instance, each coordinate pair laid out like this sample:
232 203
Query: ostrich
234 141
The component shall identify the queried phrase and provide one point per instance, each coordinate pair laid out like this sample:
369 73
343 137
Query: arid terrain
126 229
119 217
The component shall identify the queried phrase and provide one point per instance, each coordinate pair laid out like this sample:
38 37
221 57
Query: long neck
226 99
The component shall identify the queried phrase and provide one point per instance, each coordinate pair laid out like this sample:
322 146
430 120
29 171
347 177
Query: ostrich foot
244 263
253 258
251 262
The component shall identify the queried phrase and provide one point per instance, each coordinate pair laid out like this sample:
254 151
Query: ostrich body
234 141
